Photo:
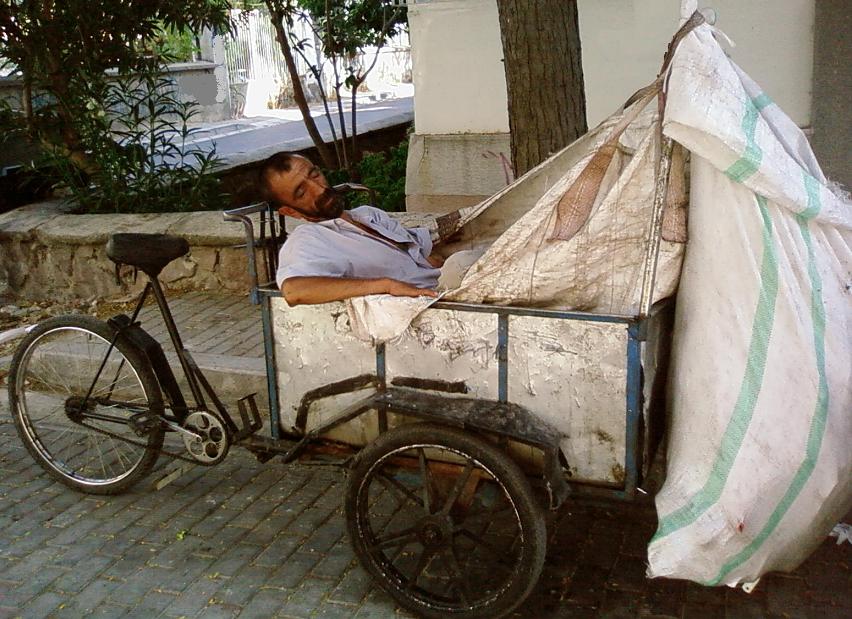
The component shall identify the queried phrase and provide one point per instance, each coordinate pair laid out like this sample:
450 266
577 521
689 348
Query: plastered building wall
461 144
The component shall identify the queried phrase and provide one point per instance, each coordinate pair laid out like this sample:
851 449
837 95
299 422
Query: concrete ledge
48 254
447 172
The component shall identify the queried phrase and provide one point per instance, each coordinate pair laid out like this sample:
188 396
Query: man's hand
314 290
436 260
401 289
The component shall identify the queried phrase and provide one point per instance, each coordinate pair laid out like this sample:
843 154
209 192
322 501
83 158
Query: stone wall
49 254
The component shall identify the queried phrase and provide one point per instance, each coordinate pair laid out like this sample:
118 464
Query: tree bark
544 77
328 160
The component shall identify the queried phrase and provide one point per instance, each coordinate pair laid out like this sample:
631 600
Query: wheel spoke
428 496
422 563
397 488
419 545
459 582
61 361
394 539
496 552
461 480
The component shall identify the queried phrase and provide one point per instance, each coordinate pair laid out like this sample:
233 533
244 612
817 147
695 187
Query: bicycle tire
475 584
52 372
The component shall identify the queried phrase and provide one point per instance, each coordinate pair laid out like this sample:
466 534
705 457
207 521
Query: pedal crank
206 437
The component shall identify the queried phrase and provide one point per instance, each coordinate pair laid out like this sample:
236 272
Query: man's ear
289 212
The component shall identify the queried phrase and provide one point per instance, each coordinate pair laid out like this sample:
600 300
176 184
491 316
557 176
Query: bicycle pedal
143 423
250 416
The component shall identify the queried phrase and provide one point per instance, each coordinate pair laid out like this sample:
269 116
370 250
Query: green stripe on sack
817 429
814 204
750 387
750 160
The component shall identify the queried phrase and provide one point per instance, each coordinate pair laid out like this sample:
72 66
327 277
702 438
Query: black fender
153 351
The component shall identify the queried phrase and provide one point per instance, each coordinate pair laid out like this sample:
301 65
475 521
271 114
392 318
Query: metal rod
530 311
381 372
503 357
652 251
178 344
271 374
633 412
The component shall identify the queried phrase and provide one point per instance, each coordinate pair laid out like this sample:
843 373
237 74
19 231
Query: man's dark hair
279 162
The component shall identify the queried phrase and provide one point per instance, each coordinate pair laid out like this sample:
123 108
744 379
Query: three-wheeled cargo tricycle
515 409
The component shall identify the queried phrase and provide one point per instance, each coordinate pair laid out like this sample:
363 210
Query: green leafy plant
134 132
384 173
58 46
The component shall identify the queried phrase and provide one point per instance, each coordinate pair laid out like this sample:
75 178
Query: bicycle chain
170 454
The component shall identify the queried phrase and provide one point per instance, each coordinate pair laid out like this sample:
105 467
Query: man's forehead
298 167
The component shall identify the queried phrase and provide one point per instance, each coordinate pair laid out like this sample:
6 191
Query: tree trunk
544 77
328 160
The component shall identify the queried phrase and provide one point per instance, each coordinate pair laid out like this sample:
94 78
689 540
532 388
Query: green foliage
343 30
174 45
58 46
384 173
69 54
346 27
134 135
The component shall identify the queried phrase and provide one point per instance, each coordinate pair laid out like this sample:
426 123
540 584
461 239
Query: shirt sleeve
424 240
307 254
421 236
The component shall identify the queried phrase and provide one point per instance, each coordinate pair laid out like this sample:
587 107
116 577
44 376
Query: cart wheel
445 522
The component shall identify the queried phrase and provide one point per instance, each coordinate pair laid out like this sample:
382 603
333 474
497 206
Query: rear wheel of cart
445 522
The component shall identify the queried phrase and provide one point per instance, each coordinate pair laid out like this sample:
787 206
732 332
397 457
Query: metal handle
357 187
242 215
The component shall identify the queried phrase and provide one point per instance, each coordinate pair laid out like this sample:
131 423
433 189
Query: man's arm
314 290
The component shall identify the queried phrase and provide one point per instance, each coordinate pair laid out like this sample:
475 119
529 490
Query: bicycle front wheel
72 396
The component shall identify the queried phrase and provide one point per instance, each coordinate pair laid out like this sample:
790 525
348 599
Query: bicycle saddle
149 253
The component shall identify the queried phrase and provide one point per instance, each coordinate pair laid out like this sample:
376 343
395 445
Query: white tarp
759 462
582 245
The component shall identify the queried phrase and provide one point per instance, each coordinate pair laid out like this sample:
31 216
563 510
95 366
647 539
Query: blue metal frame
636 329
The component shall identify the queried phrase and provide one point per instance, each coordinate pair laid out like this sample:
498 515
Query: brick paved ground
268 541
214 324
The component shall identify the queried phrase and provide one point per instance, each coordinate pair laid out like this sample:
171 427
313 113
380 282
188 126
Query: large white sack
759 462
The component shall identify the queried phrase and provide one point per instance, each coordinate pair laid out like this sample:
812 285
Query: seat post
182 353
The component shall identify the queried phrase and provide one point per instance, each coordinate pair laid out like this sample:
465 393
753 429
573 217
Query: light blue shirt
337 248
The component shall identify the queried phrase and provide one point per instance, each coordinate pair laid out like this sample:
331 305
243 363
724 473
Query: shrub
384 173
134 130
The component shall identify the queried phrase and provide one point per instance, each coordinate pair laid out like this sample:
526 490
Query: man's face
304 192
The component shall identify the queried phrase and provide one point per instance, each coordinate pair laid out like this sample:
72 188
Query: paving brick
278 551
151 605
264 604
335 562
278 548
353 587
89 598
304 600
336 611
43 605
84 572
195 597
292 571
240 588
